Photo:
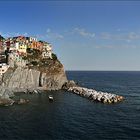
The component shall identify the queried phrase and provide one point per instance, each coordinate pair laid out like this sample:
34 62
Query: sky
86 35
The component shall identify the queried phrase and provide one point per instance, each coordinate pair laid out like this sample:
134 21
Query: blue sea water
71 117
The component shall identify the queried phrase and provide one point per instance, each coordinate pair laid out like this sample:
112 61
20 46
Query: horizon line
108 70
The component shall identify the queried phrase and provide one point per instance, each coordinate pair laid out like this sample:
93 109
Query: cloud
48 30
105 35
133 36
128 37
118 30
25 34
39 36
104 46
54 35
82 32
115 47
11 34
49 34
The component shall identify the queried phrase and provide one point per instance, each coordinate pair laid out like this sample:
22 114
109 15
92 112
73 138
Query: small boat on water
50 97
35 91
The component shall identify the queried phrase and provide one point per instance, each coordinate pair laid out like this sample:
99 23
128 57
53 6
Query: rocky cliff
46 76
50 77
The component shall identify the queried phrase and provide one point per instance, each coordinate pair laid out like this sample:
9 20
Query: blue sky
86 35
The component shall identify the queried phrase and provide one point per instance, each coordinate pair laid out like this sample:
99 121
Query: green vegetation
54 57
34 58
33 54
24 58
35 63
36 53
29 50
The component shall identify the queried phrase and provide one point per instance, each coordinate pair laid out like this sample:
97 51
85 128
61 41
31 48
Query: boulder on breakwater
23 101
6 102
92 94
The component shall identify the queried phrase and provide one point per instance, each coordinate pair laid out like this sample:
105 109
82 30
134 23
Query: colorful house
3 68
22 48
1 43
47 50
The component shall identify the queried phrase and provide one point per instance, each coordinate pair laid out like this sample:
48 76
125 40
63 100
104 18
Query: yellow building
22 48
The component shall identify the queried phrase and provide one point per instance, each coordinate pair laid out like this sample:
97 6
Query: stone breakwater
92 94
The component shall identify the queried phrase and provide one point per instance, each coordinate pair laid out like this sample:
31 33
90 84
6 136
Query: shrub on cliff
35 63
33 54
54 57
24 58
36 53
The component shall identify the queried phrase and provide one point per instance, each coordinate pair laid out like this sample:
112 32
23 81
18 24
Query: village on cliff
14 50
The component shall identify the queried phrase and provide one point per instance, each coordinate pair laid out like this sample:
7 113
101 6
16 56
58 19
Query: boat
35 91
50 97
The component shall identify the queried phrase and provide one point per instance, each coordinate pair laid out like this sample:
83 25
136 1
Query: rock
5 92
6 101
54 82
35 91
92 94
90 97
104 100
69 84
22 78
23 101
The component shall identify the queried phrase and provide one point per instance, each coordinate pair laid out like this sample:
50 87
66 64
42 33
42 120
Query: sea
72 117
